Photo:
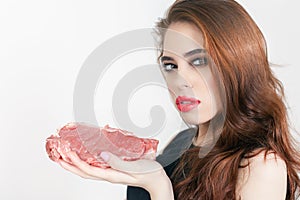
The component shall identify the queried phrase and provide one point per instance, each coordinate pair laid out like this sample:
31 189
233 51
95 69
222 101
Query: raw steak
89 141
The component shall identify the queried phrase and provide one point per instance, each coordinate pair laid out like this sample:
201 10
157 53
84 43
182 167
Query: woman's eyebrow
187 54
163 58
190 53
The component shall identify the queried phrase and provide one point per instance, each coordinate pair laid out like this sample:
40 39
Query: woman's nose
184 81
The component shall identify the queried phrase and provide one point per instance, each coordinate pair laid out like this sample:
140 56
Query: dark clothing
168 159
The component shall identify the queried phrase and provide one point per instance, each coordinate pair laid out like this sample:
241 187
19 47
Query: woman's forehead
182 37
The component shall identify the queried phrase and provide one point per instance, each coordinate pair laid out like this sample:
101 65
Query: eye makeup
167 62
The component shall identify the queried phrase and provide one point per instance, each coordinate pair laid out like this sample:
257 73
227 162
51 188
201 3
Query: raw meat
88 141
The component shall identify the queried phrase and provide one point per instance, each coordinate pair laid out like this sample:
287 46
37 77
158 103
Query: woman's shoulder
262 158
264 177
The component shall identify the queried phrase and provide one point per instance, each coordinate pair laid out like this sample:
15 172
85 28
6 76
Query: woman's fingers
133 167
108 174
135 173
85 167
142 173
74 170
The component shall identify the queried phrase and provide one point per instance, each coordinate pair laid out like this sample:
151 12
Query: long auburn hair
256 116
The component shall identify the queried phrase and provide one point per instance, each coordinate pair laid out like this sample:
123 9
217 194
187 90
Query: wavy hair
256 116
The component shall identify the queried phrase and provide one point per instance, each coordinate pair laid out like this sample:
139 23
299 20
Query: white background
42 47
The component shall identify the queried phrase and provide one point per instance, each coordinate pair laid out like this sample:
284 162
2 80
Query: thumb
137 166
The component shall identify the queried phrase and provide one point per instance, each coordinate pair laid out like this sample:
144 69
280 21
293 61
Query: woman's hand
147 174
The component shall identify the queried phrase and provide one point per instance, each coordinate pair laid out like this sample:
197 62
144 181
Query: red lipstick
185 104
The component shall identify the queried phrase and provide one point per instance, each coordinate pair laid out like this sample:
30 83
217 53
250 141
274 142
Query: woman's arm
147 174
263 179
162 191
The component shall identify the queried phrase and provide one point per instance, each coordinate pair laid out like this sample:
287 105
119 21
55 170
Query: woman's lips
185 104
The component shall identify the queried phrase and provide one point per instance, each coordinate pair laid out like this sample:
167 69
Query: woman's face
186 68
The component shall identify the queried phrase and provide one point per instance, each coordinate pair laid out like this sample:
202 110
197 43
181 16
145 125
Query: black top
168 159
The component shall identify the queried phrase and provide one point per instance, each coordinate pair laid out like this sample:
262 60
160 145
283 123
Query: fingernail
104 156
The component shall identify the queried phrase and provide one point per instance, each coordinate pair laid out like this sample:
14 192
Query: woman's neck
202 131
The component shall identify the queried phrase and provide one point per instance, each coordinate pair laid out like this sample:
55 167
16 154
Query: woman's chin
194 118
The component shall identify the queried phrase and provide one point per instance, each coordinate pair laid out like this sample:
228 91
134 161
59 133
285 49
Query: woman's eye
169 66
199 61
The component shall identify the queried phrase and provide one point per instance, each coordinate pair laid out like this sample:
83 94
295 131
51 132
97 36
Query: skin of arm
163 191
147 174
263 179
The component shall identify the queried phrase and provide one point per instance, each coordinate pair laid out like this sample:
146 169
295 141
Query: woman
214 60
